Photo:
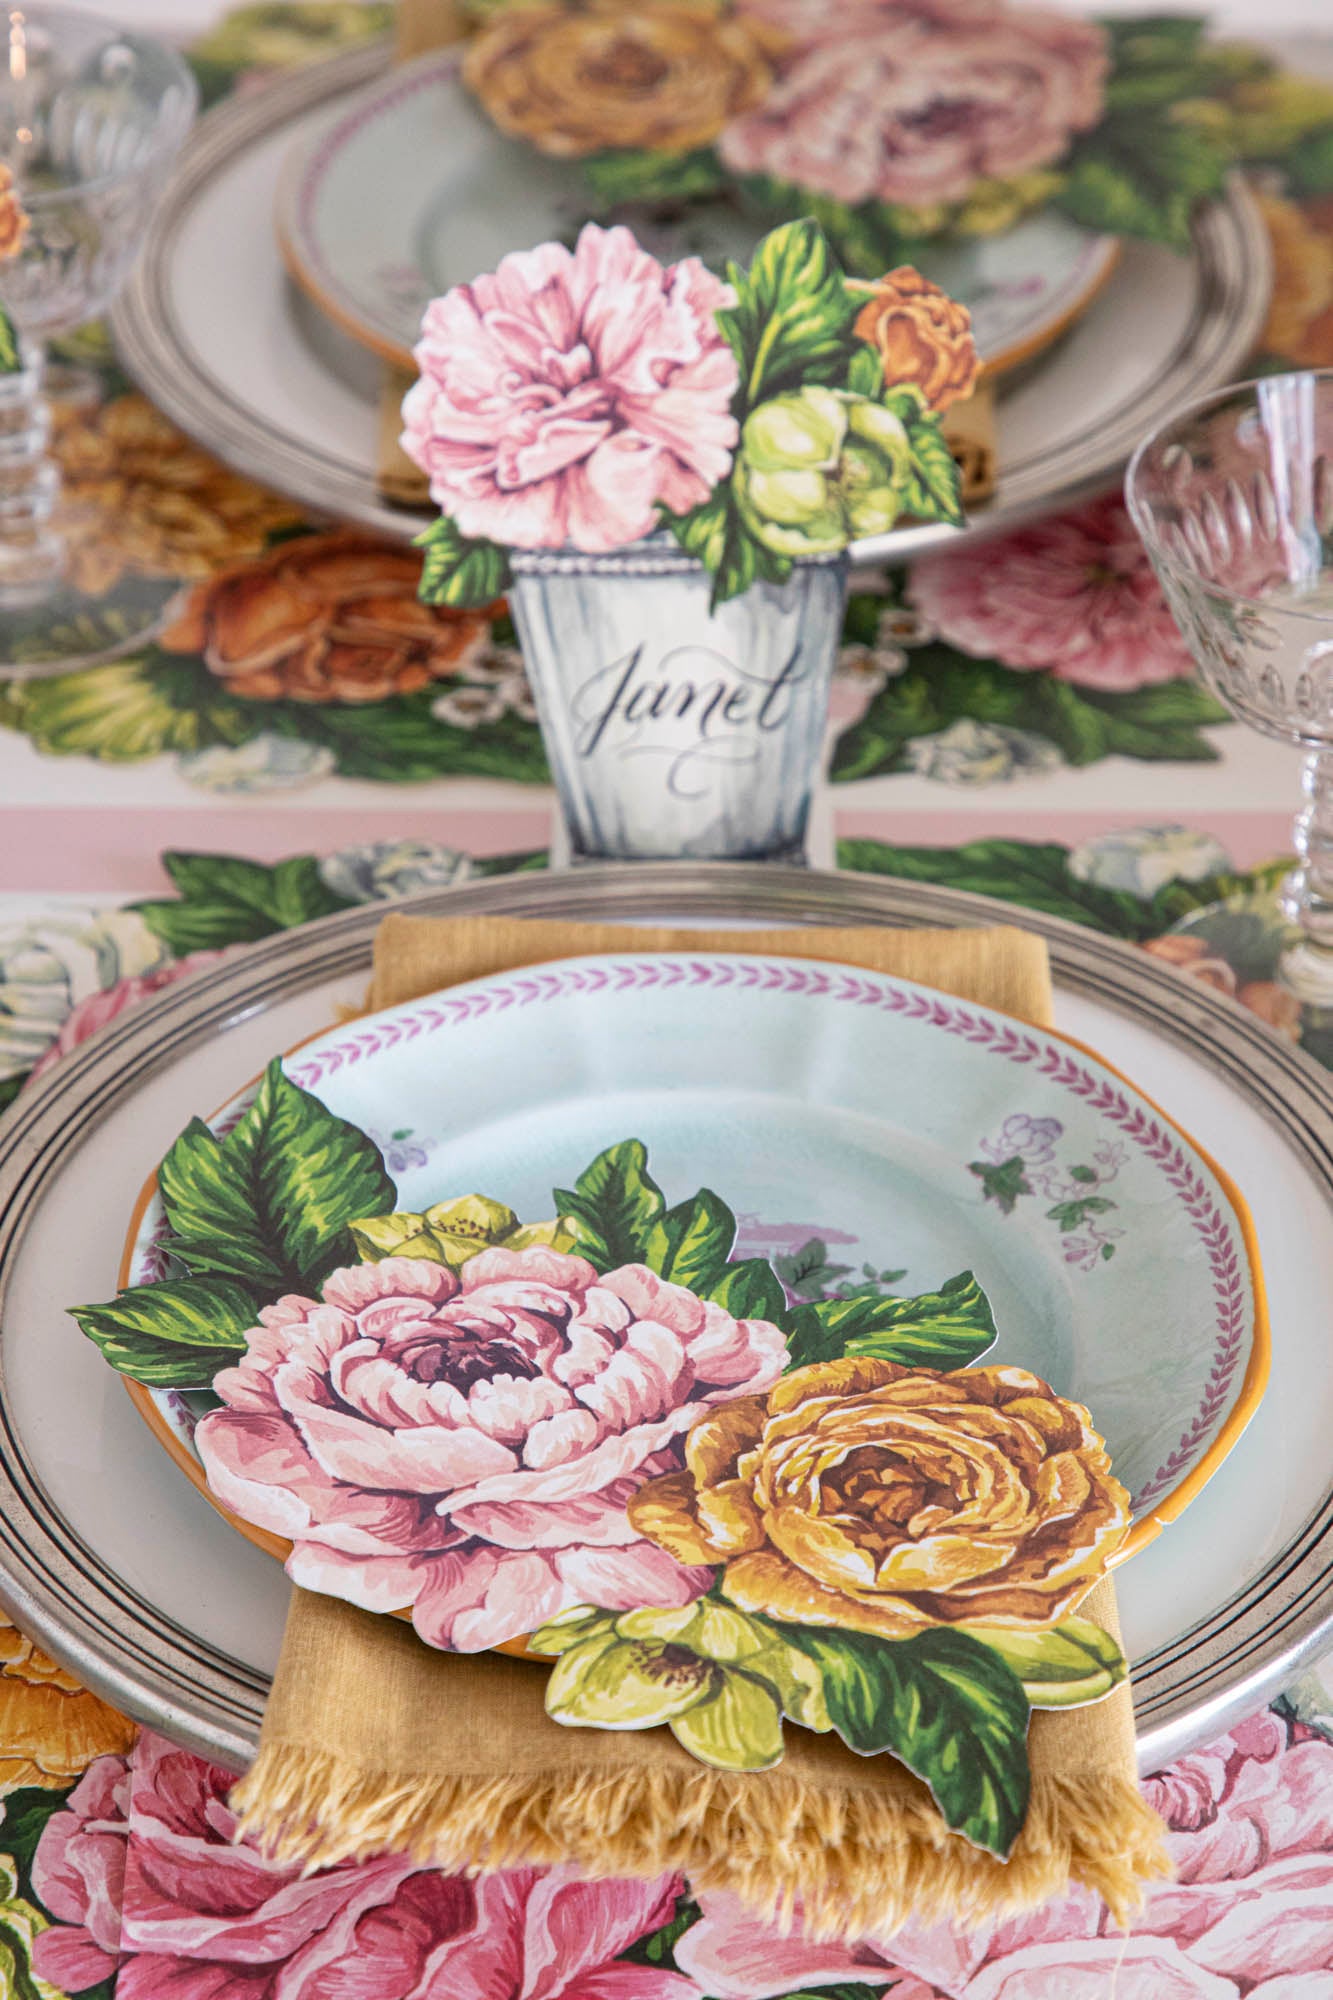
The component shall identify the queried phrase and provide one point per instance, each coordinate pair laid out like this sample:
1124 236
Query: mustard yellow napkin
372 1741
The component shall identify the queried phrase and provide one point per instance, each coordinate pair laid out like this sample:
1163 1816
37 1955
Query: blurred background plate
214 331
109 1559
410 189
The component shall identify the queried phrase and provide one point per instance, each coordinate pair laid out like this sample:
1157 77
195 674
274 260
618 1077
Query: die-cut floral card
663 469
706 1498
583 399
900 123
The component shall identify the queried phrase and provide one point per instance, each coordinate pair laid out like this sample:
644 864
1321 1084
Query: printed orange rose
324 618
51 1728
665 75
923 337
885 1499
13 219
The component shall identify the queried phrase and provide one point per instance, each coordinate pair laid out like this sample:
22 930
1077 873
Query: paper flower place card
664 469
897 122
707 1500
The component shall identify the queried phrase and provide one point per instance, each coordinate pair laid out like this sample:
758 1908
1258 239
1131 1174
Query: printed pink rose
151 1883
1248 1917
566 396
99 1008
915 103
78 1874
1075 594
464 1443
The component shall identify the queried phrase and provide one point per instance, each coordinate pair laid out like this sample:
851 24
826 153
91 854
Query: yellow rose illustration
51 1727
666 75
884 1499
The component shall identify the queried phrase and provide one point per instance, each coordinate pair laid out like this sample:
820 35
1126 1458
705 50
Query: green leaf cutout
717 535
1060 1666
947 1706
175 1334
271 1201
1141 176
865 374
224 899
934 485
613 1207
458 572
654 176
690 1244
793 317
751 1289
947 1329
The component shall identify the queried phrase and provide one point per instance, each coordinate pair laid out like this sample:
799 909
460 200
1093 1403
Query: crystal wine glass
91 118
1234 502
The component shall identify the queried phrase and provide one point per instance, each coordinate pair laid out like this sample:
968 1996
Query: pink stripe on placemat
98 850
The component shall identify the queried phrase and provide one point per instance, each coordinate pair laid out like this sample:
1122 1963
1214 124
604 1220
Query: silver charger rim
140 1659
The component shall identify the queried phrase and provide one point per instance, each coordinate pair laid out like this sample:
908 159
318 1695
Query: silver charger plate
213 331
112 1562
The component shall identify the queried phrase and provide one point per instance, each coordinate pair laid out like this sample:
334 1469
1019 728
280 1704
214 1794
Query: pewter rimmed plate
212 330
109 1558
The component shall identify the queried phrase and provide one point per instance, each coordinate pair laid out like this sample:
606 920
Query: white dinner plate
126 1573
213 330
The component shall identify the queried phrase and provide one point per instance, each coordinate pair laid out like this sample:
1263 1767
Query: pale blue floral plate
869 1134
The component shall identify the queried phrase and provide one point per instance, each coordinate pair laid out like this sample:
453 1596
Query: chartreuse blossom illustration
775 413
719 1680
451 1232
712 1503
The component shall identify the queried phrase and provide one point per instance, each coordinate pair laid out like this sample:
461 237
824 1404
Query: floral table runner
302 737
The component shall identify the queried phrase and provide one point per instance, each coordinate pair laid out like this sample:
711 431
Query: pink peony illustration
464 1444
99 1008
915 101
1249 1916
1075 594
142 1875
564 397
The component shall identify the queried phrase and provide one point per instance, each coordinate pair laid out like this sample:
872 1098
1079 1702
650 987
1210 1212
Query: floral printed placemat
1037 686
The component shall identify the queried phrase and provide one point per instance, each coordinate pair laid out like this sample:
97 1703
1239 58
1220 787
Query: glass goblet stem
1306 967
32 554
